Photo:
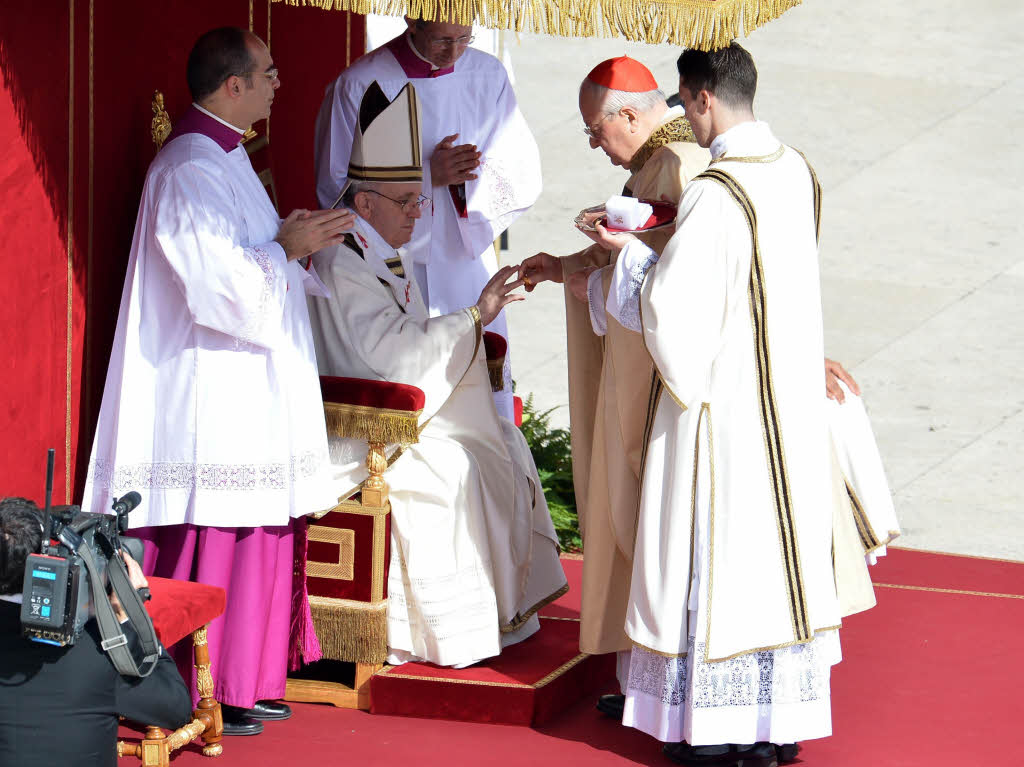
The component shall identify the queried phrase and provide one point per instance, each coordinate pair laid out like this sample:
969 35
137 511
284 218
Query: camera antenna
49 496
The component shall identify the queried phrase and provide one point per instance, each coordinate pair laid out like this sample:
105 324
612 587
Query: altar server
212 406
474 552
626 116
733 609
481 169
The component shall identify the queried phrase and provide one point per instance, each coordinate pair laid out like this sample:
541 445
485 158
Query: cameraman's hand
496 294
136 577
305 232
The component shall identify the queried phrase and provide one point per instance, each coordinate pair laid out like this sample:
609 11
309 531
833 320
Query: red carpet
931 677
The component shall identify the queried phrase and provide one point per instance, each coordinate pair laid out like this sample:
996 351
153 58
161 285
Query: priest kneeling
474 552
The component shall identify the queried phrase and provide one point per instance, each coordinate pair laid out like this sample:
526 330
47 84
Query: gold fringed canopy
704 24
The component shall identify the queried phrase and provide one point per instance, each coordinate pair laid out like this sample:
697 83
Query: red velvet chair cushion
180 607
368 393
495 345
517 410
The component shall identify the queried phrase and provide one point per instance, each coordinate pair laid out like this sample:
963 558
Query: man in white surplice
211 407
482 166
474 552
733 609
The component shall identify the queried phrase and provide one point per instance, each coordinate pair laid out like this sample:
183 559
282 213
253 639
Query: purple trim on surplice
413 66
194 121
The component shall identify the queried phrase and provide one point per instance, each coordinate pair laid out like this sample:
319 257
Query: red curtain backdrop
76 83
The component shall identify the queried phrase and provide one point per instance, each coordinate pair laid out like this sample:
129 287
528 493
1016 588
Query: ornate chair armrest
495 347
380 412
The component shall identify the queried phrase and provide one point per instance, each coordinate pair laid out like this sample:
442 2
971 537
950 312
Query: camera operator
60 705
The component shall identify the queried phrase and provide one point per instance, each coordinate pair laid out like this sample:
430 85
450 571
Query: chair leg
362 682
208 711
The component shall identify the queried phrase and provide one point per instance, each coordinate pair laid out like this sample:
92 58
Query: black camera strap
114 641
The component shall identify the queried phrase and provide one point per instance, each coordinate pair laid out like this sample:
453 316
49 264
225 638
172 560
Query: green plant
552 452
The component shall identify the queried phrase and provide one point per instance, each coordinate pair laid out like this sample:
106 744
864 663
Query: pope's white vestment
474 552
733 610
452 251
211 407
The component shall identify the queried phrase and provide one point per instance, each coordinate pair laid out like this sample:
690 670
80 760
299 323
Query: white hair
613 102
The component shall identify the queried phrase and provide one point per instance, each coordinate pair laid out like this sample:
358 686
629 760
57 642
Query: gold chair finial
160 127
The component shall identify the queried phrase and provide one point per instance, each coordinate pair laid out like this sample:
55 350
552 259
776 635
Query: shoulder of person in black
60 705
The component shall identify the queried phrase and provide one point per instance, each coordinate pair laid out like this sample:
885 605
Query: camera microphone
126 503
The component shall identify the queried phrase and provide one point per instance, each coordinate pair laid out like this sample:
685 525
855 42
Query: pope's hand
450 164
834 372
577 282
497 294
305 231
606 239
540 268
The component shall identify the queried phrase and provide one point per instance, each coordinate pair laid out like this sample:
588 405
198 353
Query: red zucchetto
623 74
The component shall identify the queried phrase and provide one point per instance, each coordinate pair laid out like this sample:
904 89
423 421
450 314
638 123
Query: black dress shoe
612 705
269 711
723 755
237 723
787 752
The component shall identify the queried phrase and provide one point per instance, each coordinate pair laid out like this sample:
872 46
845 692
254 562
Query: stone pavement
910 112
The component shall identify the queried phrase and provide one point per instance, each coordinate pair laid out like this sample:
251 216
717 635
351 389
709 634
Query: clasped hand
450 164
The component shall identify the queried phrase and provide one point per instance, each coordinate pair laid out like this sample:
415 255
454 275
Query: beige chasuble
609 384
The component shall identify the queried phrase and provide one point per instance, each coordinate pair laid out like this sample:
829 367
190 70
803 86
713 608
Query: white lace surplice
211 408
778 696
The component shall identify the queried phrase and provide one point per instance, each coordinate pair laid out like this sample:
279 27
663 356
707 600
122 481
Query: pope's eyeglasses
408 206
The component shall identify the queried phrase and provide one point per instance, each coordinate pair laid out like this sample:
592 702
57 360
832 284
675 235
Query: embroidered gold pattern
521 619
675 130
764 158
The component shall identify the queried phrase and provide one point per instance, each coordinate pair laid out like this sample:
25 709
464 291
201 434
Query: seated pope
474 552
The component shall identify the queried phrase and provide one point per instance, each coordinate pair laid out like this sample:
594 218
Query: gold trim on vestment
558 618
771 430
767 648
520 620
705 407
651 650
868 540
414 128
764 158
816 192
673 395
950 591
653 398
676 130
